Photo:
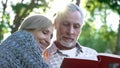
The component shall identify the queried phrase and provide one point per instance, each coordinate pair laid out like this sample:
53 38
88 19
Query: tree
102 39
115 6
21 10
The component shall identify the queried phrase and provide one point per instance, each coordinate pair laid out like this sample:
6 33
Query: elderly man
68 24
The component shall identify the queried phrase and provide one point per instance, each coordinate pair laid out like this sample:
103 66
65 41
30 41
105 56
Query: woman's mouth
43 45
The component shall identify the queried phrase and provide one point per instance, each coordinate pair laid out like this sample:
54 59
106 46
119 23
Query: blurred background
101 29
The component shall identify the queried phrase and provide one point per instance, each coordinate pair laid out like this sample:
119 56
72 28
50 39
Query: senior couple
28 47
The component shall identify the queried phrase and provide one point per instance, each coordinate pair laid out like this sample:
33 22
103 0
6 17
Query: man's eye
76 26
66 24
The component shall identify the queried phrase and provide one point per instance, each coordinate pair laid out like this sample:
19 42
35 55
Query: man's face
68 29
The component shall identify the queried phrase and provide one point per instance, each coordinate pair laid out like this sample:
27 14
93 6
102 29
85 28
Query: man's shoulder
85 48
88 49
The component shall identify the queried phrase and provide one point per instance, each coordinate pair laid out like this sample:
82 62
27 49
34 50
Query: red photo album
104 61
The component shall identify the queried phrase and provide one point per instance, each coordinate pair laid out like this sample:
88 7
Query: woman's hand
46 55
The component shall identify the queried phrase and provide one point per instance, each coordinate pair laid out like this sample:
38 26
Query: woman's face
43 37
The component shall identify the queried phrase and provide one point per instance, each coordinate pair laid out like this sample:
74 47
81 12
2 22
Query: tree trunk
118 40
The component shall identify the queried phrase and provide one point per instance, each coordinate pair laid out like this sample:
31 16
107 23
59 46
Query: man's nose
71 30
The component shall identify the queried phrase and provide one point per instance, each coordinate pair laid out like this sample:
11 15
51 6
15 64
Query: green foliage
101 40
113 4
104 38
24 9
21 10
90 38
18 7
3 25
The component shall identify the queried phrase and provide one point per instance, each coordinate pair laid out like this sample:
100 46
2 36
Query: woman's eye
51 36
45 32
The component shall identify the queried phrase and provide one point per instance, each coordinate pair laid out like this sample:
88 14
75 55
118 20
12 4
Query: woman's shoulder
18 39
22 34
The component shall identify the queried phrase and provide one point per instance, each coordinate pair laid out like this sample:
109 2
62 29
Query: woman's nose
48 40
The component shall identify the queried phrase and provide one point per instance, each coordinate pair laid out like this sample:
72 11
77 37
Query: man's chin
68 44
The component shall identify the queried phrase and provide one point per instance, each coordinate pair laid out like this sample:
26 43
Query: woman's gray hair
38 22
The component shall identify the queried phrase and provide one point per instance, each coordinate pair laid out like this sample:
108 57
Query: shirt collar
79 48
56 50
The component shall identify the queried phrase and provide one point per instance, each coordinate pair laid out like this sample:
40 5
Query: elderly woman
23 49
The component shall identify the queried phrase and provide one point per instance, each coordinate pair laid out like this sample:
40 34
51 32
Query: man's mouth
68 39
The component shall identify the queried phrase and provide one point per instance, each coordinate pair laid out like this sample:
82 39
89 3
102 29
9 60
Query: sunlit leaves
21 9
104 38
113 4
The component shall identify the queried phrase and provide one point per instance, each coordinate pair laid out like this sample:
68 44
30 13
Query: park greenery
102 39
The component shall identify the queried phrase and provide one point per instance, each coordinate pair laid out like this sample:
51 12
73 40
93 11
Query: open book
104 61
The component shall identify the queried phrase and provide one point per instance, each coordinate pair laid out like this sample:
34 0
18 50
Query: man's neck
61 47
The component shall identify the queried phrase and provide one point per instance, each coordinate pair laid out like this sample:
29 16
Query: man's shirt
79 51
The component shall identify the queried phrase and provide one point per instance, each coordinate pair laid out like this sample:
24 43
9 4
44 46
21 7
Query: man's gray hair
38 22
69 8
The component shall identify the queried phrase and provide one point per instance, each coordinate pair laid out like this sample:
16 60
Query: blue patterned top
20 50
